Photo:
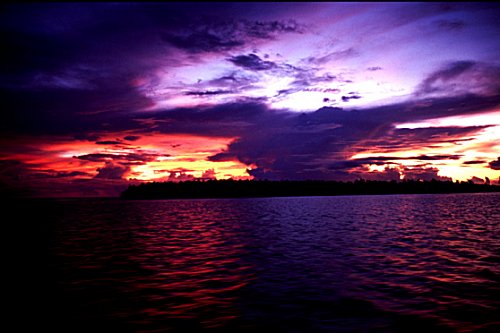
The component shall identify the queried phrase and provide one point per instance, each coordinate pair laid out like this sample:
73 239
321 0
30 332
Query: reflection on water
408 263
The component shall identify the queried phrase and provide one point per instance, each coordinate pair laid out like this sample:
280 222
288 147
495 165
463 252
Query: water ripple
402 263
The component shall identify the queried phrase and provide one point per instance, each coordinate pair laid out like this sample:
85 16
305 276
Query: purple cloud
224 35
131 137
347 53
348 98
495 165
461 77
426 174
473 162
208 93
302 146
130 157
104 69
112 171
252 62
63 174
108 142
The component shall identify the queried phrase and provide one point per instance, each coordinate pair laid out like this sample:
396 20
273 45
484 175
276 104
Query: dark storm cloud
237 81
303 77
208 93
180 174
343 54
220 120
306 79
296 146
50 36
130 157
378 159
223 35
62 76
108 142
382 160
87 137
397 139
69 112
234 79
81 45
434 157
252 62
348 98
410 111
20 179
285 144
393 173
68 70
71 74
421 173
461 77
112 171
131 137
60 174
495 165
451 71
203 41
96 157
473 162
175 176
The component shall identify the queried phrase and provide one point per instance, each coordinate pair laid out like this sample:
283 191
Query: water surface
396 263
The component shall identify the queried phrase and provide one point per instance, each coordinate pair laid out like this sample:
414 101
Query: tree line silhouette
264 188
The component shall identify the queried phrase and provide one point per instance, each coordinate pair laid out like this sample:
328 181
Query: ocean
386 263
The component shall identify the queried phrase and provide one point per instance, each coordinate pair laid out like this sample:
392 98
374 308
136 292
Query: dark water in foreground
399 263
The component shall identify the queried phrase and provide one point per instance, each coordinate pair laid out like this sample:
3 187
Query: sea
381 263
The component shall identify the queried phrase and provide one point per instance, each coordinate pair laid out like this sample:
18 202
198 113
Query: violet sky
98 96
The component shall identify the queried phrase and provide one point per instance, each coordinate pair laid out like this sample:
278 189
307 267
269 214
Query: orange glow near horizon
179 153
161 157
482 146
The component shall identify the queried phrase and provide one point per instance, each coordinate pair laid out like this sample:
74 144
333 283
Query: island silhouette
229 188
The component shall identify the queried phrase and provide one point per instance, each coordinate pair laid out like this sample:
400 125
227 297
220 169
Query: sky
97 96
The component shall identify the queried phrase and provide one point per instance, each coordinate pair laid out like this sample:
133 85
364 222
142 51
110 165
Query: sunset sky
98 96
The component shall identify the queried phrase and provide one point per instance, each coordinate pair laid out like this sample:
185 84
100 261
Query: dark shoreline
264 188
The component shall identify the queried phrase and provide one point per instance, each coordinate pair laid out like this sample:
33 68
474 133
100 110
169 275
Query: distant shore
263 188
